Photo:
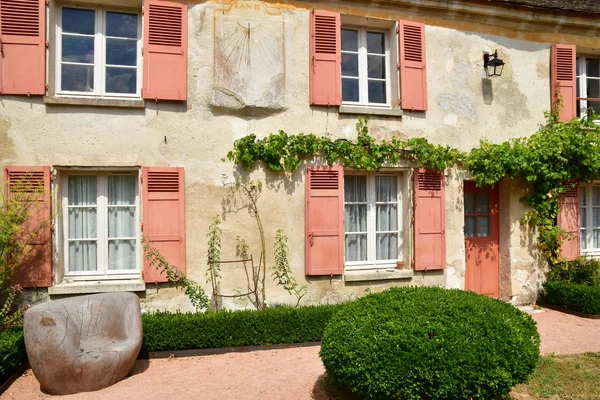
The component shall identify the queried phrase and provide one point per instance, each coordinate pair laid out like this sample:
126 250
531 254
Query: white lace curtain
83 223
121 222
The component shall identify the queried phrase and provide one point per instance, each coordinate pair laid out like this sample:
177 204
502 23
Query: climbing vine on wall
551 161
281 151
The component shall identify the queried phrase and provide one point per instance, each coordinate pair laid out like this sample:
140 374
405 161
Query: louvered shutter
165 50
429 220
563 79
568 219
324 221
163 222
30 186
325 58
22 47
413 71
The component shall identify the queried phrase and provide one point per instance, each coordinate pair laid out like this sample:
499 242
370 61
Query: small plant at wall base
282 274
175 277
214 257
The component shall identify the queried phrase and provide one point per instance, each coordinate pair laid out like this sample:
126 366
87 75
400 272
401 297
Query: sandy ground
291 374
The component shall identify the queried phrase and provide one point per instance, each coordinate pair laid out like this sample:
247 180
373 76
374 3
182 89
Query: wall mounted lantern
492 64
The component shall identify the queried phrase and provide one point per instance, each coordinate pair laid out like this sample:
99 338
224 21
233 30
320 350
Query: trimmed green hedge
430 343
12 352
167 331
576 297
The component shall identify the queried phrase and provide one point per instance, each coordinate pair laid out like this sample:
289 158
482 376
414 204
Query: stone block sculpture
84 343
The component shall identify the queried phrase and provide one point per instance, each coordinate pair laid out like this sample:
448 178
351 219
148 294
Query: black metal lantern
492 64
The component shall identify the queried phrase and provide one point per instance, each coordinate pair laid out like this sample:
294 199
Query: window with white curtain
373 231
100 223
589 217
588 85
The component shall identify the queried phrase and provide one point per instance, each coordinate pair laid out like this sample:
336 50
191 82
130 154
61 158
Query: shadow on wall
487 90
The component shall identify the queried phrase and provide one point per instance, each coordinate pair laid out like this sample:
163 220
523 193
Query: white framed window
372 223
588 85
101 225
365 67
99 52
589 217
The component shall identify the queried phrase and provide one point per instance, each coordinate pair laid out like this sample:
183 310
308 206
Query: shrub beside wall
166 331
12 352
432 343
576 297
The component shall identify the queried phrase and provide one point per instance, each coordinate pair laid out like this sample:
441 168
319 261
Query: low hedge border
12 352
581 298
179 331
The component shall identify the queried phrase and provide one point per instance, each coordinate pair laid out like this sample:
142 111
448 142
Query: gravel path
291 374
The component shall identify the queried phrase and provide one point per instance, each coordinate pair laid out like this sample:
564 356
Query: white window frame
583 104
99 54
588 238
363 81
102 229
371 262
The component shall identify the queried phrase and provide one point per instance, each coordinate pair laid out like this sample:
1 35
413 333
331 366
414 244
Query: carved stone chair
84 343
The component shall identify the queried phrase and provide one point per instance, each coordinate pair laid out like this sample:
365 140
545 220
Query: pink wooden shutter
413 71
165 50
568 219
430 220
325 58
22 47
163 222
31 185
324 221
563 79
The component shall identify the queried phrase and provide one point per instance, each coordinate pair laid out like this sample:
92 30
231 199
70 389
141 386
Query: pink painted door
481 240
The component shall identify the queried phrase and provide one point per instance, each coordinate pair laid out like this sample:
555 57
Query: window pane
356 218
593 67
387 217
349 64
83 256
121 52
596 218
470 226
83 223
75 20
121 190
121 25
483 203
596 233
377 92
469 203
355 188
121 222
483 226
78 49
121 80
596 195
387 246
375 42
386 188
349 40
583 240
77 78
593 89
376 67
82 190
350 89
583 217
356 247
583 196
121 254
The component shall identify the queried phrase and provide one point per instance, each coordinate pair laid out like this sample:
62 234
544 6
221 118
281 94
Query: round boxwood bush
430 343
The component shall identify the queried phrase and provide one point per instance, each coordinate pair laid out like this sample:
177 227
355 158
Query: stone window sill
94 102
378 275
87 287
396 112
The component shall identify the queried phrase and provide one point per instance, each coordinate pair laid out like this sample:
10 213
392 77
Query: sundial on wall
249 56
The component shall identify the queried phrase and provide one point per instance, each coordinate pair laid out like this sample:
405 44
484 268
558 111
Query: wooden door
481 240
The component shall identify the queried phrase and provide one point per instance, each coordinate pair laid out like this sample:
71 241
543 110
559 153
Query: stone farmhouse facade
120 112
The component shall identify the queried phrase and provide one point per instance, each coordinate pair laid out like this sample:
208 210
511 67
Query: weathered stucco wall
463 109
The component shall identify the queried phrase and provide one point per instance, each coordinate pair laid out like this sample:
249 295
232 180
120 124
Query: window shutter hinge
142 51
399 102
46 86
398 65
47 2
398 29
412 220
46 42
51 228
142 227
